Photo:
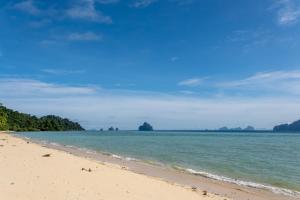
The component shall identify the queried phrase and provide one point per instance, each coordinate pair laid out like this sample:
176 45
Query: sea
263 160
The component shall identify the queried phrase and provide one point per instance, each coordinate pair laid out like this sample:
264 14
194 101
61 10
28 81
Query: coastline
175 178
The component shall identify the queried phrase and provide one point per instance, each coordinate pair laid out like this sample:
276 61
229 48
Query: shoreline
174 176
141 166
30 171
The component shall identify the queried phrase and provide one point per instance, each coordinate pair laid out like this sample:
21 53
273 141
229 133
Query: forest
16 121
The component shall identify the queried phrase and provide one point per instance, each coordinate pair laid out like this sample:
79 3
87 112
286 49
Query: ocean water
266 160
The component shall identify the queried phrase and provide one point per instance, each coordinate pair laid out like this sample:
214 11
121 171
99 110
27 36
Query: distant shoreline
188 130
238 131
164 130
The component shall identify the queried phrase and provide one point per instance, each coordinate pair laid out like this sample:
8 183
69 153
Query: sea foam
276 190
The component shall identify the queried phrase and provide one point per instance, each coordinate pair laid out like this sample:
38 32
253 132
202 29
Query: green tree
16 121
3 119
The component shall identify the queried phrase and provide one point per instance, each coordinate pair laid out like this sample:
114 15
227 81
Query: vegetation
145 127
3 120
16 121
293 127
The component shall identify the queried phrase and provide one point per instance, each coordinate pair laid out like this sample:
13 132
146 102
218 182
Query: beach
33 171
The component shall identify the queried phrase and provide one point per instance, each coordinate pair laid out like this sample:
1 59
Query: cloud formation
79 9
142 3
87 36
86 10
107 1
95 107
278 82
288 11
62 71
13 87
28 6
193 82
174 58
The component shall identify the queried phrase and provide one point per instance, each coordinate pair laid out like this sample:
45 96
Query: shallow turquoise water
267 158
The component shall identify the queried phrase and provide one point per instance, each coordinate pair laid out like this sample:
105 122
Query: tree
16 121
3 120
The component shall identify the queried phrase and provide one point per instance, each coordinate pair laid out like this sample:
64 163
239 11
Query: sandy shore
26 174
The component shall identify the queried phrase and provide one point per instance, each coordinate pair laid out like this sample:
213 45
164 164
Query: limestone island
145 127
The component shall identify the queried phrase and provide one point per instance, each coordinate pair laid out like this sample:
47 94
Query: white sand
26 175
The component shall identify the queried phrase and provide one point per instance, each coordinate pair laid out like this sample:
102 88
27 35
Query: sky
177 64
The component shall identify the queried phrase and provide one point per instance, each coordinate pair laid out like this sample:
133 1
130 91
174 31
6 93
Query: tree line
16 121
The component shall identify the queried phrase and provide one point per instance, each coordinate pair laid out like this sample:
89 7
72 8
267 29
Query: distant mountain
16 121
145 127
249 128
223 129
111 129
293 127
238 129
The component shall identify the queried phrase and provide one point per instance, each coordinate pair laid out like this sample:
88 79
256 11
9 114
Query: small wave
54 144
276 190
116 156
91 152
130 159
120 157
86 150
44 142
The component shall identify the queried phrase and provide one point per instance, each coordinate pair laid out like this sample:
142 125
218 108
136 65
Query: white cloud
146 3
288 11
87 36
192 82
62 71
62 39
107 1
80 9
273 83
29 88
28 6
284 82
85 10
174 58
142 3
188 92
97 108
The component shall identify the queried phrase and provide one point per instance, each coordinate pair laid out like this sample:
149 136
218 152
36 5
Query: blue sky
183 64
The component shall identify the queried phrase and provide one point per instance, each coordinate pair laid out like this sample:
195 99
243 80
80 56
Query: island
145 127
293 127
111 129
16 121
237 129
